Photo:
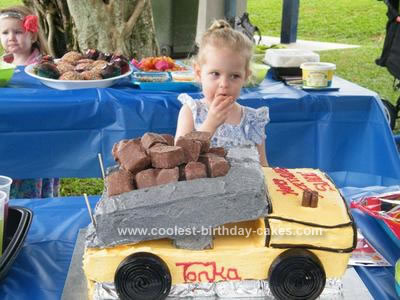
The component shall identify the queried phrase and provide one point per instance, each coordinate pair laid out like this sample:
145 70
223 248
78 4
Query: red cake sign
288 178
207 271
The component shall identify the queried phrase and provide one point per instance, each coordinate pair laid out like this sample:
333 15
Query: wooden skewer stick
101 165
89 209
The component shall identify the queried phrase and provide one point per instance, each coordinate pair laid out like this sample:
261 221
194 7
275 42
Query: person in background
23 45
20 36
222 66
392 24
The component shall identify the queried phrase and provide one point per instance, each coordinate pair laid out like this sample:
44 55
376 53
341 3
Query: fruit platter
158 64
163 74
74 70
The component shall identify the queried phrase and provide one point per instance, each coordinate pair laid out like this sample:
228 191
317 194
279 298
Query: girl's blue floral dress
35 188
250 130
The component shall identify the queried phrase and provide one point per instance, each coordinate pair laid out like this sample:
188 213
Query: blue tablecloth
47 132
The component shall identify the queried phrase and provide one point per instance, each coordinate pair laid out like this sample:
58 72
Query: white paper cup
3 197
5 185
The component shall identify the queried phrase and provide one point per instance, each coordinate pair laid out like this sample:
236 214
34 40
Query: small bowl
258 72
6 72
317 74
151 76
185 76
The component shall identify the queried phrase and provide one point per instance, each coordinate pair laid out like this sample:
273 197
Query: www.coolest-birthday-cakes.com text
221 230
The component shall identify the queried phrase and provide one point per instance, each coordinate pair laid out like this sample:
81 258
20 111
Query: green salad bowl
6 72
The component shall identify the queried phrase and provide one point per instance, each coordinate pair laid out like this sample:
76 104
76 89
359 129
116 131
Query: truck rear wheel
296 274
142 276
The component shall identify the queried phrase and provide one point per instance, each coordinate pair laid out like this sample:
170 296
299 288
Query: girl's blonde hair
221 34
40 43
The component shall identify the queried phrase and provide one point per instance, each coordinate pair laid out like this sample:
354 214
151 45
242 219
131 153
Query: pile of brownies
155 159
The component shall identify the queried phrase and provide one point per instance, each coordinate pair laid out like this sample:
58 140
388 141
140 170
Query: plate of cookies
75 70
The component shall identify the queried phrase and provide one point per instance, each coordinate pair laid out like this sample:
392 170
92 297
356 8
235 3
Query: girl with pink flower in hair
20 36
24 45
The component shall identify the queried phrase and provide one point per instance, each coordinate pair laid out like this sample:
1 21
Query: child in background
222 67
20 36
24 45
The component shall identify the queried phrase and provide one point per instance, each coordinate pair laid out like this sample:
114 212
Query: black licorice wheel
296 274
142 276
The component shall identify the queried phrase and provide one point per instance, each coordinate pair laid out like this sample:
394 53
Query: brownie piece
120 181
191 148
306 199
310 199
314 199
149 139
194 170
166 157
201 136
146 178
220 151
133 157
118 146
216 165
165 176
169 138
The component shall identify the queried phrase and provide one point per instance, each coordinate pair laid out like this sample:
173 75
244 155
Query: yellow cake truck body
295 247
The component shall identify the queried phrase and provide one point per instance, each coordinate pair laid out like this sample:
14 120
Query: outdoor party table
46 132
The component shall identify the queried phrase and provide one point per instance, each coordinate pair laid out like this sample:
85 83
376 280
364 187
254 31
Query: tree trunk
123 26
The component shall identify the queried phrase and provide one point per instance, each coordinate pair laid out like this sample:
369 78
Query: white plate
75 84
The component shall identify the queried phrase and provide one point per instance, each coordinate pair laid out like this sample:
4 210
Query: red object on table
374 206
8 58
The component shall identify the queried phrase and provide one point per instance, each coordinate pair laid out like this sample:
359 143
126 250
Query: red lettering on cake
284 188
205 277
310 177
209 272
318 182
285 173
289 176
322 186
300 185
234 276
220 273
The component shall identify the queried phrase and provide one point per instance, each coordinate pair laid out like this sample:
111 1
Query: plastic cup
3 197
5 185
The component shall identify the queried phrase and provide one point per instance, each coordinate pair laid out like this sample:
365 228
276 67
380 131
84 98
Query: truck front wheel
296 274
142 276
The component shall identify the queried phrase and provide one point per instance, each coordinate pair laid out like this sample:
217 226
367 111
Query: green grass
7 3
78 186
358 22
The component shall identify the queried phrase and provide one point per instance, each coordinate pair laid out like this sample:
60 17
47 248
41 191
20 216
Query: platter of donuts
74 70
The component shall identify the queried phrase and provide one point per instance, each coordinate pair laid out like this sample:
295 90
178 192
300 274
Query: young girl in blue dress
24 45
222 67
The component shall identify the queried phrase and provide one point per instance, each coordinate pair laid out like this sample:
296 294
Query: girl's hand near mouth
218 112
